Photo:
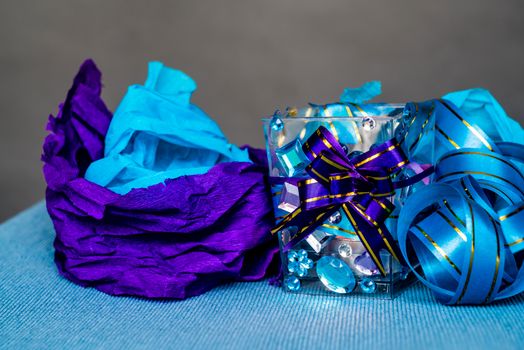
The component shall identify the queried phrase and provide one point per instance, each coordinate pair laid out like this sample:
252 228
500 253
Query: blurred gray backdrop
248 58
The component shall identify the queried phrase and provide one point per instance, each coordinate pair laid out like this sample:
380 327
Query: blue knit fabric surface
39 309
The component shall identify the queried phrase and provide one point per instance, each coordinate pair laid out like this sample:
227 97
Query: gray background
248 58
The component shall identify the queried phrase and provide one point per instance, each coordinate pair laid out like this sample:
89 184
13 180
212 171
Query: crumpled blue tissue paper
156 134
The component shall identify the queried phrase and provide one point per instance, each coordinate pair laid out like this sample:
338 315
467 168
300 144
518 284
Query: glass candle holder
331 259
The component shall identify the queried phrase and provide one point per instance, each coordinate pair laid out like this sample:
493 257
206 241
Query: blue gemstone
306 263
335 274
276 122
292 158
292 283
302 254
293 266
300 271
367 285
292 255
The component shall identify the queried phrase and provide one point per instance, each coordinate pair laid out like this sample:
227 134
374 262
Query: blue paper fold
156 134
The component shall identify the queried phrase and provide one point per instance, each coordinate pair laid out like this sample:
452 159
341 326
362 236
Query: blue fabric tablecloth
40 309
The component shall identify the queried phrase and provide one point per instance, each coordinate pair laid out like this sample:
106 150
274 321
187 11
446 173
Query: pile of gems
331 258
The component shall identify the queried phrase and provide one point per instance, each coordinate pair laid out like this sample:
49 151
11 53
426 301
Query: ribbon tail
294 222
373 236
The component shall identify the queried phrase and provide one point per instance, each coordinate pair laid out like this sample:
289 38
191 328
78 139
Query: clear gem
292 283
368 123
335 218
346 149
367 285
345 250
292 158
306 263
276 122
318 240
289 198
302 254
297 268
292 255
335 274
365 265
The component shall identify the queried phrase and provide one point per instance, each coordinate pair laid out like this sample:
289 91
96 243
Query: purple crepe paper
172 240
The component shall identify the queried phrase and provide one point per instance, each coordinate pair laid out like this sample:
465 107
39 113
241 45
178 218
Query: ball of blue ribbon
465 229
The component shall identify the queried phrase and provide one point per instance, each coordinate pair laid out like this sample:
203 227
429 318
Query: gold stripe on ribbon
379 230
422 127
288 218
515 242
377 261
516 211
333 164
308 148
453 213
497 262
355 127
484 155
324 140
375 156
318 174
339 229
457 230
468 276
439 249
468 125
447 137
469 172
466 190
382 205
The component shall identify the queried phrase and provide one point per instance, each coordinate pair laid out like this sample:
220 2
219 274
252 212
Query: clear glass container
332 259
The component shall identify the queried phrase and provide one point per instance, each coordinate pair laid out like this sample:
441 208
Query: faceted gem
365 265
306 263
292 283
296 268
302 254
368 123
367 285
292 255
335 274
345 250
276 122
299 263
292 158
289 198
318 240
335 218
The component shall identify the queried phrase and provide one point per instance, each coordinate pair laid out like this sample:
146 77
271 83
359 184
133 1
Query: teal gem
335 274
292 158
292 283
276 122
367 285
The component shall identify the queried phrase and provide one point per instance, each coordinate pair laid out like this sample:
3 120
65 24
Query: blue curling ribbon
465 229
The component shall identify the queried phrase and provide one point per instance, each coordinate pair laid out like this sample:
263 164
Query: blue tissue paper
157 134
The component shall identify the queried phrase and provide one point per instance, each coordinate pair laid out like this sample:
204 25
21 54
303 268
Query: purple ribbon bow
359 186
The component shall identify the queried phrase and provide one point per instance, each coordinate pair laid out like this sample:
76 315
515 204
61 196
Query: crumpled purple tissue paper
172 240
